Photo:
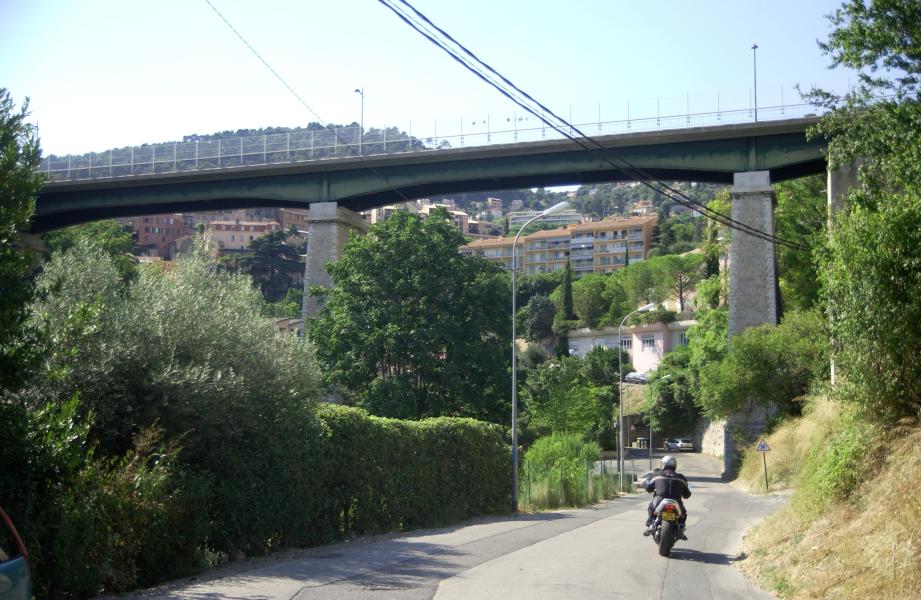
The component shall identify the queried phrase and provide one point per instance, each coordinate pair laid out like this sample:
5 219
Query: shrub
871 275
556 472
770 364
379 474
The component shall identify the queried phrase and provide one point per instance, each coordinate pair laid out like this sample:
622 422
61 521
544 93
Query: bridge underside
710 155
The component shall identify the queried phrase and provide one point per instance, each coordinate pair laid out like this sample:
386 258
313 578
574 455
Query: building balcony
581 254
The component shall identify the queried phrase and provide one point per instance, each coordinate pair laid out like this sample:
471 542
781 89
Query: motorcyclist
666 482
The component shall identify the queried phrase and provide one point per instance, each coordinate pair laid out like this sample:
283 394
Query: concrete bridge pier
753 290
329 228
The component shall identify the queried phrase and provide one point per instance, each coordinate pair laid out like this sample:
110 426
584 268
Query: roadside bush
557 472
770 364
870 276
836 467
92 524
379 474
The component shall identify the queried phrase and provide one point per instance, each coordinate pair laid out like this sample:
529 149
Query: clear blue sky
110 73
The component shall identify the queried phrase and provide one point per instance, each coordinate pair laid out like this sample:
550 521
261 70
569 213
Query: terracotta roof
489 243
615 223
246 223
547 233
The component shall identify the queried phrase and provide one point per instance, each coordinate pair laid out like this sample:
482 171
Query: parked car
635 377
15 574
684 444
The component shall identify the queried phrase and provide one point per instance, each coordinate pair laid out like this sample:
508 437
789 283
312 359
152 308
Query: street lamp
552 210
755 71
650 422
361 132
620 391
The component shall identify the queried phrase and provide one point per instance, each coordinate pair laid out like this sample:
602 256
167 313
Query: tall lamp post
553 209
361 132
755 72
620 391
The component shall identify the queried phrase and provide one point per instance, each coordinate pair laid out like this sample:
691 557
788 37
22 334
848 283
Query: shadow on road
699 479
710 558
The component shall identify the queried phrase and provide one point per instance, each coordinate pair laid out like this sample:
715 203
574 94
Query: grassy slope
863 544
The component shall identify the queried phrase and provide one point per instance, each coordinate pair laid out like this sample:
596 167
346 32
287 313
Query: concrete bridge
750 156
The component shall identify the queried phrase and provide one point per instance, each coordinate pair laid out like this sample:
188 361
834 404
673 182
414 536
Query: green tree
678 275
559 398
412 328
876 122
871 268
773 365
670 398
800 216
590 298
273 264
20 156
537 318
566 307
600 366
114 239
641 284
871 275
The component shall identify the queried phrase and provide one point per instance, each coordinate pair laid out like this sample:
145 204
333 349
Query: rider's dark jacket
666 483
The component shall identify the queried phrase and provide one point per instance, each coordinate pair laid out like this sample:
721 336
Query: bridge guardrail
322 144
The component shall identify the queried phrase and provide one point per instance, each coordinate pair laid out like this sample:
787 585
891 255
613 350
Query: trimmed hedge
379 474
96 525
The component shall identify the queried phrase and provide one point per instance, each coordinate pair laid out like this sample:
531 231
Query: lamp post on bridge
755 73
552 210
361 132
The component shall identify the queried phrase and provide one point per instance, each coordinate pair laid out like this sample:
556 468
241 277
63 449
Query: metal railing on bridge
306 145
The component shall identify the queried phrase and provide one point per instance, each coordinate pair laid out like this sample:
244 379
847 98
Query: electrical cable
559 124
307 106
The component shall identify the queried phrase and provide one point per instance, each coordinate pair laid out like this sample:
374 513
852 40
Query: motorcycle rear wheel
666 538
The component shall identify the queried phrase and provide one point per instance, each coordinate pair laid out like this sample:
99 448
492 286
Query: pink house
646 344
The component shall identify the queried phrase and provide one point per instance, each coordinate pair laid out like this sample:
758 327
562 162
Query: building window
649 342
626 343
683 338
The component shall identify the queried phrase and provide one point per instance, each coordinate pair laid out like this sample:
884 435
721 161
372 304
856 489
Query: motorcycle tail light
668 508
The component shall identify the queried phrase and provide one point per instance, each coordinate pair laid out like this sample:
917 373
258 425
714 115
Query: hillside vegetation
848 532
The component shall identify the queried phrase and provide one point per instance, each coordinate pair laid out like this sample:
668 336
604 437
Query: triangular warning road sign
762 446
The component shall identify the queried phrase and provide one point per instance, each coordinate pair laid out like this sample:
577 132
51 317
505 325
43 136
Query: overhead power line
307 106
447 43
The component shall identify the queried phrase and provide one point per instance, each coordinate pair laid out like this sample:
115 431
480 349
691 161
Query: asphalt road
597 552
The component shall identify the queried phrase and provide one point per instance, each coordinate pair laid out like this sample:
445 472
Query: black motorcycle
666 529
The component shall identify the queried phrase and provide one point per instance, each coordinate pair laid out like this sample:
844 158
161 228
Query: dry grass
866 547
634 399
790 444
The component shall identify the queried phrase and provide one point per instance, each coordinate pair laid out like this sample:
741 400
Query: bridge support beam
329 227
753 291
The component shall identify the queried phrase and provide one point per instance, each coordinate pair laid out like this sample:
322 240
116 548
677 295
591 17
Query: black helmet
669 462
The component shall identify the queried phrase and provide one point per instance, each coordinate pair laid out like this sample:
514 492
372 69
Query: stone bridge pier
754 293
329 228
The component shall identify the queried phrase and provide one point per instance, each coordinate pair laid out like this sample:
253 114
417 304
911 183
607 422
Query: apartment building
155 233
564 217
236 235
596 247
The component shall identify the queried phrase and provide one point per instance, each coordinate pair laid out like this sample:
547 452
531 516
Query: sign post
763 449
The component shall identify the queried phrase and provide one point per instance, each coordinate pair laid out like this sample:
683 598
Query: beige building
236 235
597 247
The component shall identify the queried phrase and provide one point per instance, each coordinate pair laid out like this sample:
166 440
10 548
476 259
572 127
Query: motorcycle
666 529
